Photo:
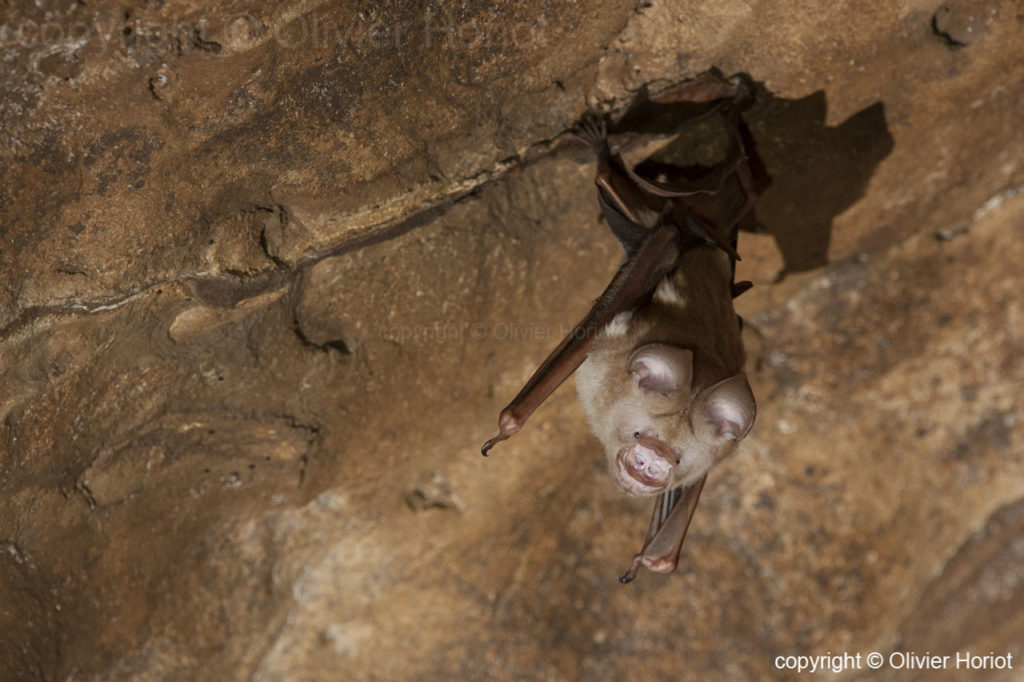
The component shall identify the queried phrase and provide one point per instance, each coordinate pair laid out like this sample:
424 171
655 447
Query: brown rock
267 271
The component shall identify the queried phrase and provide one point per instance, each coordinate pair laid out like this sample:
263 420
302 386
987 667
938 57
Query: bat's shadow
816 171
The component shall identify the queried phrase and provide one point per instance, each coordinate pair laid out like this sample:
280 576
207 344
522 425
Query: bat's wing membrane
673 511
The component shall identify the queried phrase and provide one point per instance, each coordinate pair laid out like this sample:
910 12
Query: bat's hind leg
615 208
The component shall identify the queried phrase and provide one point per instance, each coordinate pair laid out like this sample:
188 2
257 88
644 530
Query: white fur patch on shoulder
619 324
668 294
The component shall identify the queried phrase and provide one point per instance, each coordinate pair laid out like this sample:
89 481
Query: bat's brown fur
691 309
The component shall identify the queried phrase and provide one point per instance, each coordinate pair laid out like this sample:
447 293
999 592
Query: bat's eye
636 434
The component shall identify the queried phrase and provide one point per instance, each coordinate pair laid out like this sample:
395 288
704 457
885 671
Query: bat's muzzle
643 469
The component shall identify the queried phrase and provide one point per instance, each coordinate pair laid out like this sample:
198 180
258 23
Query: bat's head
665 433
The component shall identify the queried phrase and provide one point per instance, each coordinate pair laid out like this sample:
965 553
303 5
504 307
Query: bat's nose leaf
647 466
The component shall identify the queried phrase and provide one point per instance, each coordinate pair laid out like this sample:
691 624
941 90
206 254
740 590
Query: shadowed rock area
269 273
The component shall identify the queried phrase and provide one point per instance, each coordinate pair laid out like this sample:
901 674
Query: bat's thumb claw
631 573
508 424
491 443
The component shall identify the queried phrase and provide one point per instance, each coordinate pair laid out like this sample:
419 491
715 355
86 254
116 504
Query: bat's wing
673 511
629 233
712 184
656 256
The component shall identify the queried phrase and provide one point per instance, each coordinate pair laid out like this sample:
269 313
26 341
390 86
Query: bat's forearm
635 280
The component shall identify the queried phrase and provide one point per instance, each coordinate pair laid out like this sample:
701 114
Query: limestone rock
268 270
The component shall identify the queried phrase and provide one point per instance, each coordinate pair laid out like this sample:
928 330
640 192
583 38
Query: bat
658 359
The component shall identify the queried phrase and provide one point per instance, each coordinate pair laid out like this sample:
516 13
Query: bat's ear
729 407
661 368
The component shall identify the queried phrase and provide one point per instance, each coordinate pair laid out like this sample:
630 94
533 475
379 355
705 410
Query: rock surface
268 274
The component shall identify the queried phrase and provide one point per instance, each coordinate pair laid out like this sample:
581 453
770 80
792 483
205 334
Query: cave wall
268 274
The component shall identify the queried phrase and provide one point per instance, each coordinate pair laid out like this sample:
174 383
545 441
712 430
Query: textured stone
268 274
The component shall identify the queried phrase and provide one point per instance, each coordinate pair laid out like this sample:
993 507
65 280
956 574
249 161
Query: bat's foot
744 96
592 132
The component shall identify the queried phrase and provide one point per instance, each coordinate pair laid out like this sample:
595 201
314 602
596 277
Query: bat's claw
628 576
592 131
491 443
744 96
508 425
